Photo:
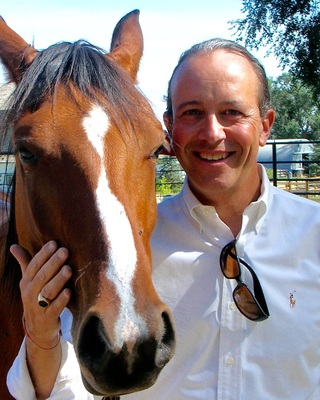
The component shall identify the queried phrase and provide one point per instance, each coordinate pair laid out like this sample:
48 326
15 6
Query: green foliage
288 28
163 187
297 112
169 176
314 167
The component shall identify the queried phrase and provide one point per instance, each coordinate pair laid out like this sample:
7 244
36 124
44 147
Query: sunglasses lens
246 303
230 265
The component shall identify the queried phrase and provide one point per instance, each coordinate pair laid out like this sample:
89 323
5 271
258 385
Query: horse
85 141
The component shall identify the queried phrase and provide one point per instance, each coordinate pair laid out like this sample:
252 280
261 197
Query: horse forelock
85 67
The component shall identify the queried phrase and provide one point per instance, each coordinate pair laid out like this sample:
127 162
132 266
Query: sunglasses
252 306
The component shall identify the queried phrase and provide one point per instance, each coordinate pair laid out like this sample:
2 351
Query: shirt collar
253 215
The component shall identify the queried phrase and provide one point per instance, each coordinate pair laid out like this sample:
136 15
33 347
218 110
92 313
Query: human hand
47 274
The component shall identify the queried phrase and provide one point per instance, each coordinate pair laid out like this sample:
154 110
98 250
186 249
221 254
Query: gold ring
42 301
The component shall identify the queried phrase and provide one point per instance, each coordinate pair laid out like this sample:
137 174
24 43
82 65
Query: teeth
213 157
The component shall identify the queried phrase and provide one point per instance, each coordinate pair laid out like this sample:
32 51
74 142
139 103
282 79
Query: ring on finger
43 301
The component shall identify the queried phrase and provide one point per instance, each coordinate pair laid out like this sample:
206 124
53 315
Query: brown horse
85 141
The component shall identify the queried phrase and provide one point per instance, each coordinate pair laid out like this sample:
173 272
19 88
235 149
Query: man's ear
167 119
267 123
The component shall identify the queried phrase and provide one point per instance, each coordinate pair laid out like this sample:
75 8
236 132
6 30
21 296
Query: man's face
217 127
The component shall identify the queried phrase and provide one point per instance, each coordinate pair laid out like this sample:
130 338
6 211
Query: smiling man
217 125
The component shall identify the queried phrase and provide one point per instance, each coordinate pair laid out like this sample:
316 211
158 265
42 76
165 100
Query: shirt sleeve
68 385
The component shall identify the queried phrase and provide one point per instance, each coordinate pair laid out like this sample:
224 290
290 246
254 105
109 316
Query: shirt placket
230 347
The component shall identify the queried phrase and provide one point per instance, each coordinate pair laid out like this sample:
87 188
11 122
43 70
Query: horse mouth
120 375
110 391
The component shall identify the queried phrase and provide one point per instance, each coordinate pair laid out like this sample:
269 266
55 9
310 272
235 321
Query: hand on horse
46 275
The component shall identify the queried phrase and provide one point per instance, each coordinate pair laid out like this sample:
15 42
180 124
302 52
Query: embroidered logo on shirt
292 300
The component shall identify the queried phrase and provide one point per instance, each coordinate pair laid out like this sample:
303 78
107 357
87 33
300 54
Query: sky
169 27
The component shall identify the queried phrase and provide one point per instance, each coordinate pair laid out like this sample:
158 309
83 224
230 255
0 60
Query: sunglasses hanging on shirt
252 305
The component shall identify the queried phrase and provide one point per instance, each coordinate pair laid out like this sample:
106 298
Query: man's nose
213 130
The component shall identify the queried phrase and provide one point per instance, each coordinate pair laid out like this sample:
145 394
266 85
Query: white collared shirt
220 354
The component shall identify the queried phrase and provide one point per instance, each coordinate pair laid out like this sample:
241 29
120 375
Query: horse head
86 142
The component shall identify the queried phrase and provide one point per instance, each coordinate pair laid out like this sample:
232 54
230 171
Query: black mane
79 63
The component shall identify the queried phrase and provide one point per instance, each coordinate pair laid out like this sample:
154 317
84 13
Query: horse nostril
92 343
166 346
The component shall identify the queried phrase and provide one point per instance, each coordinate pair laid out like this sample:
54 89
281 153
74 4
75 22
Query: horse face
85 176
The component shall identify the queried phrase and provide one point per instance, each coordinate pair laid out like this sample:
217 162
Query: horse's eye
27 157
156 153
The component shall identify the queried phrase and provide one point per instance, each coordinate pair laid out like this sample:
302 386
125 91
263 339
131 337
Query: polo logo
292 300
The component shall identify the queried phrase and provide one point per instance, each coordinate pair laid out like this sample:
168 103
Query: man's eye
232 112
192 112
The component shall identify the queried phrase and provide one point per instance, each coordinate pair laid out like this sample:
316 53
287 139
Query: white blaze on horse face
122 250
96 125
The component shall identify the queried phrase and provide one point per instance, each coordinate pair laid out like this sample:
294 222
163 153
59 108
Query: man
228 251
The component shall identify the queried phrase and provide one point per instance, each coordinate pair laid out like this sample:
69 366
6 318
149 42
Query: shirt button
230 361
232 305
206 212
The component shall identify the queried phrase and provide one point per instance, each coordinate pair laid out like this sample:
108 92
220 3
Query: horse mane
83 66
86 67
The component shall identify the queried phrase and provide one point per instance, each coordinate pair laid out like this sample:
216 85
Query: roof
287 151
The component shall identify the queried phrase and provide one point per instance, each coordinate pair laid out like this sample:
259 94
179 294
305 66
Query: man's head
218 115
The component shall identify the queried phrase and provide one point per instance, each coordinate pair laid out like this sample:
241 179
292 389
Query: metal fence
7 166
303 177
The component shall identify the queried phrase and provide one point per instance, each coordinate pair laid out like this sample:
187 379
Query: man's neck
230 209
231 204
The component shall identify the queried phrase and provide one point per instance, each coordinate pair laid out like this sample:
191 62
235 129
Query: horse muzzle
108 370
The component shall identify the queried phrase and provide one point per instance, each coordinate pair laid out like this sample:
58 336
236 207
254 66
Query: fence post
274 164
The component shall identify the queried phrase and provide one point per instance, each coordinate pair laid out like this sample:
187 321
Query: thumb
21 255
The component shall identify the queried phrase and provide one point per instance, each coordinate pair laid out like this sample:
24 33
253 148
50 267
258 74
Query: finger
29 266
50 269
21 255
52 289
40 270
59 303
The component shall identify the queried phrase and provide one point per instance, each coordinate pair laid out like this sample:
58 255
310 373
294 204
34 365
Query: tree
297 113
288 28
314 167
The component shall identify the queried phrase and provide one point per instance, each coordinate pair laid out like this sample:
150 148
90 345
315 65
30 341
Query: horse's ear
15 53
127 43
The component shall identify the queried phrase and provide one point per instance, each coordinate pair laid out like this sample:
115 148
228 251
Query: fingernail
51 246
66 271
62 254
